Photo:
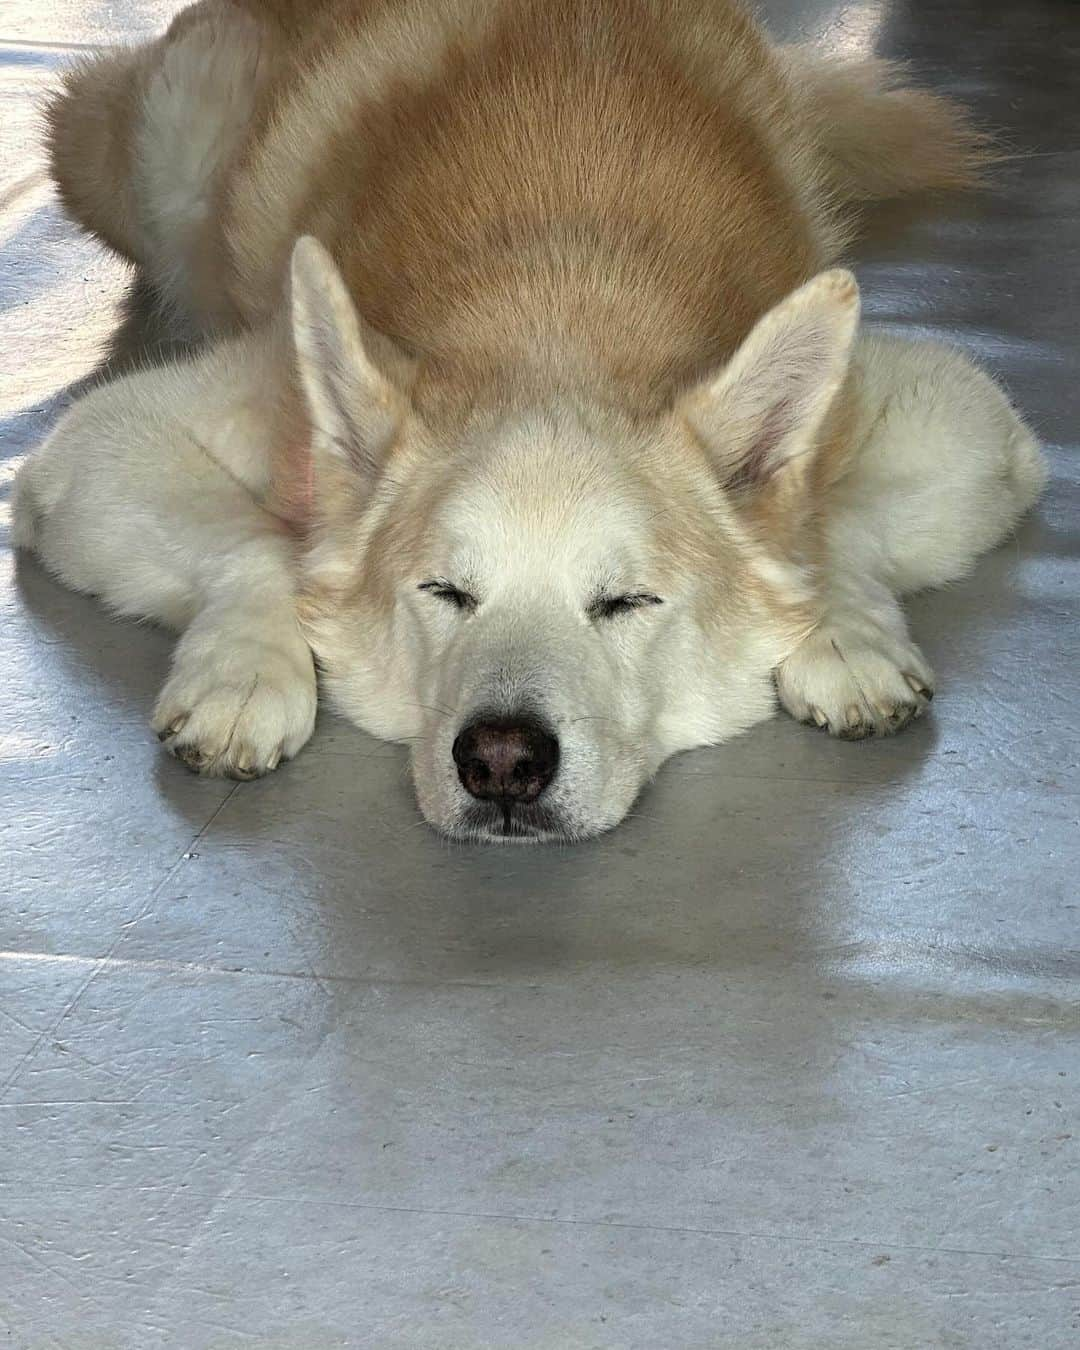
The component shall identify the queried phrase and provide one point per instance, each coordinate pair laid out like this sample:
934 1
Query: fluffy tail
879 138
90 133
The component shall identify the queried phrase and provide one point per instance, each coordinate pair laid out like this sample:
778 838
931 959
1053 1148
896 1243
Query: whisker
435 708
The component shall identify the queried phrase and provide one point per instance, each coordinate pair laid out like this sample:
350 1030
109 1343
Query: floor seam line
671 1228
100 963
556 1220
30 45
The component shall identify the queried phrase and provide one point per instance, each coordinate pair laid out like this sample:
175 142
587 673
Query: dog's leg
147 495
859 673
944 471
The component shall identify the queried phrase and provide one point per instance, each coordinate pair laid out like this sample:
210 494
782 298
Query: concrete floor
789 1060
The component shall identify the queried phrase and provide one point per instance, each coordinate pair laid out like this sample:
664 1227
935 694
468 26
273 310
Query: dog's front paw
855 683
238 716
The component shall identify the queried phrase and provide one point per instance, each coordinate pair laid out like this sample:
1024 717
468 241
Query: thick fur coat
552 438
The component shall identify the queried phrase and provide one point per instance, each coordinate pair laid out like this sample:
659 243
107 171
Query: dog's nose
506 759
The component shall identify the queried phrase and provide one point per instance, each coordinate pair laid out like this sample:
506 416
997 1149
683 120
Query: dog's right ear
354 405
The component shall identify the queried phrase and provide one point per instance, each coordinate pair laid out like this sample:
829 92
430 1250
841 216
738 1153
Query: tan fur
90 128
880 137
594 197
536 201
529 192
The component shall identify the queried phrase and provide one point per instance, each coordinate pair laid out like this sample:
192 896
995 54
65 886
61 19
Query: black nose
506 759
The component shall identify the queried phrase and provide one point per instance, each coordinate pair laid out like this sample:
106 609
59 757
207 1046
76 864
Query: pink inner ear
755 462
292 497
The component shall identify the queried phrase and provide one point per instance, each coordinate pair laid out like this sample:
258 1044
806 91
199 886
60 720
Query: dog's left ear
759 417
354 404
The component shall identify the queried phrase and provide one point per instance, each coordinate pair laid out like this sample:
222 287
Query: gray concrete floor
789 1060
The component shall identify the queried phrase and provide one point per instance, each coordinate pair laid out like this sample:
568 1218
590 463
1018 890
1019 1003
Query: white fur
148 495
945 470
540 513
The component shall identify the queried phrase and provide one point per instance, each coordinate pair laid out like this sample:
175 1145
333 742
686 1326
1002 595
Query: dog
526 402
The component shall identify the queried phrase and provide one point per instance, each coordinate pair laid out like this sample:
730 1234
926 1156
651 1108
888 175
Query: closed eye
453 595
608 606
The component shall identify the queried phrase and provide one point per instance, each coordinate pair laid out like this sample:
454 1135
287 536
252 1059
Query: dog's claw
896 718
919 687
855 685
191 756
175 726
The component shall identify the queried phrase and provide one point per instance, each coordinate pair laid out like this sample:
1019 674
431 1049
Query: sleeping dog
526 402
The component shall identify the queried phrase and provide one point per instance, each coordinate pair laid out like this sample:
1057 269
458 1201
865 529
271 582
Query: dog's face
542 637
551 605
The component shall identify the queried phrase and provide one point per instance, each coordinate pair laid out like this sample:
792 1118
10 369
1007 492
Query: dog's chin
491 823
558 817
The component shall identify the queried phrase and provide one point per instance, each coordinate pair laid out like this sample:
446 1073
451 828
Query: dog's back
606 190
493 175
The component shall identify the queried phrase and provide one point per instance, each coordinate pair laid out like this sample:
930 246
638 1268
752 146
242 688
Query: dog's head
546 603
